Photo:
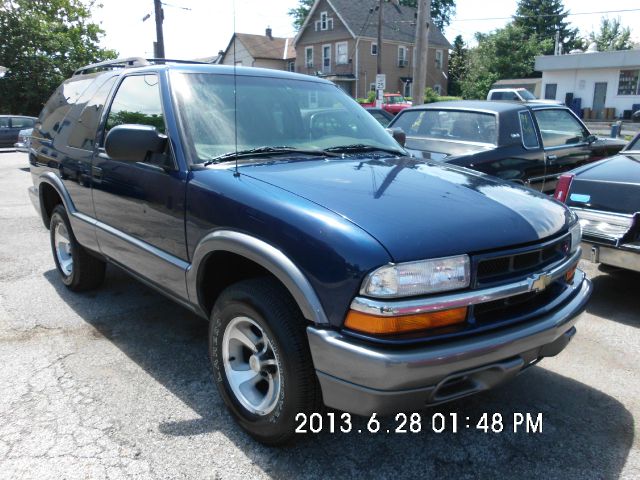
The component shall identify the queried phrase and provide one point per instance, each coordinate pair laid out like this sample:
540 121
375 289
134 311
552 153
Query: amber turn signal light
373 324
570 274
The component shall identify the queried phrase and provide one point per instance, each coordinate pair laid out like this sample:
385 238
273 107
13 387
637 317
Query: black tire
266 302
87 271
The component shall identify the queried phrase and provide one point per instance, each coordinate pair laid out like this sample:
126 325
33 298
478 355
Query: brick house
265 51
338 41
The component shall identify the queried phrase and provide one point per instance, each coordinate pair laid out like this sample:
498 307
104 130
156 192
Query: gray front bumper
363 379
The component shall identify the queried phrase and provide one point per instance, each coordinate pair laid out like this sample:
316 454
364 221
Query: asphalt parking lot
116 384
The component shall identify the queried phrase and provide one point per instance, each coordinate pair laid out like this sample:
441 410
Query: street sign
381 81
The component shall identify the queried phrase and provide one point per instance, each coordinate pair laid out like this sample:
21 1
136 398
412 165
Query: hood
418 209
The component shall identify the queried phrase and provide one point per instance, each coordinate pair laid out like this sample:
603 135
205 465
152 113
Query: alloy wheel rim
63 249
251 365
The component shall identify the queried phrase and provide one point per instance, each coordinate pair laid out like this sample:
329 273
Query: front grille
518 264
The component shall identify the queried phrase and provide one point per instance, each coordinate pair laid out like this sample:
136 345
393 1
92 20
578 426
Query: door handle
552 157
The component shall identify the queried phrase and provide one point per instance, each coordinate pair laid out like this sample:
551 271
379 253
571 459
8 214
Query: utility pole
421 50
379 71
159 44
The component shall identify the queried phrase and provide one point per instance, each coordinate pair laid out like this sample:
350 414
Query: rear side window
4 122
21 122
559 127
137 101
60 103
529 137
84 131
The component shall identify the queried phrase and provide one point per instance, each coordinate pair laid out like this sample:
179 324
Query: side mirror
591 139
398 135
133 143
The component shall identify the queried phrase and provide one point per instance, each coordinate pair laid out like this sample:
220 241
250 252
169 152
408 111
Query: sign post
381 84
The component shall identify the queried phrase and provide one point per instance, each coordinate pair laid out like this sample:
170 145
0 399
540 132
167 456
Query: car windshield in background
527 95
450 125
634 145
271 112
396 99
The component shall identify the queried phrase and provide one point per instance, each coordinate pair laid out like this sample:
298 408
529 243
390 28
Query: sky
199 28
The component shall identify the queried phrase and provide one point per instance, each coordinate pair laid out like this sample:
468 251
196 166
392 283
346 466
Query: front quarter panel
331 253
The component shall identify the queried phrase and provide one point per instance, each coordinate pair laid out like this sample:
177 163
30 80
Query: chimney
267 32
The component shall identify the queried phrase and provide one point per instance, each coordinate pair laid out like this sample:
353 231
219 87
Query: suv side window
60 103
4 122
84 132
559 127
529 137
137 101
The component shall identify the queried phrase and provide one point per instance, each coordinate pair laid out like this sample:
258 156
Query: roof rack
130 62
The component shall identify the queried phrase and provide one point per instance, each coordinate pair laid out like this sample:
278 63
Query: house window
372 87
402 56
437 88
326 58
325 22
550 91
374 48
407 89
291 66
342 53
439 59
629 82
308 57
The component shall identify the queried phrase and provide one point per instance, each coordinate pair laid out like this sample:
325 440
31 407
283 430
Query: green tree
300 13
506 53
543 18
441 11
458 60
41 43
612 36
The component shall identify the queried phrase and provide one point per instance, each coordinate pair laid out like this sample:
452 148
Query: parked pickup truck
333 267
392 103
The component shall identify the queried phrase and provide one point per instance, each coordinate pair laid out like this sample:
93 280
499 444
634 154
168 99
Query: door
326 58
139 206
6 135
599 98
564 139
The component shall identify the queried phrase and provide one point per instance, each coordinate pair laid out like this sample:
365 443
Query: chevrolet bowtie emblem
540 282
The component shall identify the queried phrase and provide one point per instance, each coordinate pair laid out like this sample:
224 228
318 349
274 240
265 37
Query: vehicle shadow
616 296
585 433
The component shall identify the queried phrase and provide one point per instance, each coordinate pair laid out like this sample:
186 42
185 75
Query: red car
392 103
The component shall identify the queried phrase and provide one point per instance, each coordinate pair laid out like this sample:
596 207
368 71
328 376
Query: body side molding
266 256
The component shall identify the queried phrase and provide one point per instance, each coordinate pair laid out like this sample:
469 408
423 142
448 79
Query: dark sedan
10 126
381 115
606 197
532 144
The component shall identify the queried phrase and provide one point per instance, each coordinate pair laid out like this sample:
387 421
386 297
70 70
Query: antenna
235 90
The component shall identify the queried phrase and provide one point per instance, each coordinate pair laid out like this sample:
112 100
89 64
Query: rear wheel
78 269
261 360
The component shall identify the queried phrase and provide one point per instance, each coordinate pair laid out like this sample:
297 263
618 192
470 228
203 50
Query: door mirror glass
398 135
591 139
134 143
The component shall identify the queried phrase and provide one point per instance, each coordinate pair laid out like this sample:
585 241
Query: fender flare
54 181
265 255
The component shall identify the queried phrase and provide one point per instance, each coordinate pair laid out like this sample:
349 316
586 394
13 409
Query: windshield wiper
361 147
266 151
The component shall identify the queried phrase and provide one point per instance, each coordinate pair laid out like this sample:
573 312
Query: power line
544 15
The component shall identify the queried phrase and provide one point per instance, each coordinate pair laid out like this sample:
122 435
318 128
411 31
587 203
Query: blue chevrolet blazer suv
334 268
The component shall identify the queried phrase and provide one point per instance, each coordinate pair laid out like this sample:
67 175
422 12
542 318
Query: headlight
418 278
576 236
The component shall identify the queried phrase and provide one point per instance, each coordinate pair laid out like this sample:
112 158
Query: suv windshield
270 112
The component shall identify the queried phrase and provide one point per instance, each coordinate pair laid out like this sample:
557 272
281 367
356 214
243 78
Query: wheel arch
251 253
51 192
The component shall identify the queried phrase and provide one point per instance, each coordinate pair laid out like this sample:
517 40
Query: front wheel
261 360
78 269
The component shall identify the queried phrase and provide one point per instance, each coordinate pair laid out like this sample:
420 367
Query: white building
602 80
